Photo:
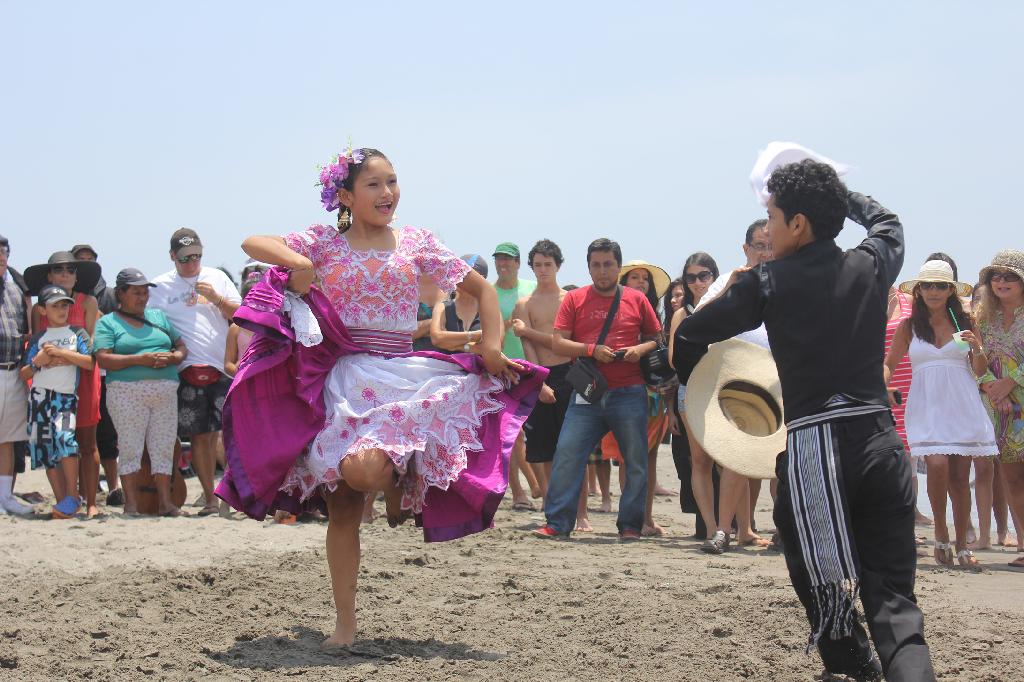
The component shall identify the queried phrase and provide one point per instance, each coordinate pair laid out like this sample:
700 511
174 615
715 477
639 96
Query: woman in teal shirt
140 350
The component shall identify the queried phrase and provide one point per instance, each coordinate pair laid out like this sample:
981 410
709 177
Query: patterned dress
1005 349
425 413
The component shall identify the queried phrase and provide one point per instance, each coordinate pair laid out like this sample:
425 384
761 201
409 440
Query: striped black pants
875 476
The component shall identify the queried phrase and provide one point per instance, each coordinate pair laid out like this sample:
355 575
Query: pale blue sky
576 120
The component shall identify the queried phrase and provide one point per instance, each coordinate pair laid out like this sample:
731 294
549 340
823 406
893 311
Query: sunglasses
940 286
64 269
1008 277
703 276
760 248
190 259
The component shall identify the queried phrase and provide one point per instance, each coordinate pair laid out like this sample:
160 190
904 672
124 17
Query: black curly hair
813 189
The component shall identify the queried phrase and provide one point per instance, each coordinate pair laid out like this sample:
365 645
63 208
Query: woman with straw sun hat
1001 322
945 416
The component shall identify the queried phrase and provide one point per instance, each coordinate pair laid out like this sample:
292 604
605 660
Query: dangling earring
344 219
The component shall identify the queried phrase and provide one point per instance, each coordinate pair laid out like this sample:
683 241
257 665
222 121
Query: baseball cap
132 277
185 242
52 293
83 247
506 249
476 262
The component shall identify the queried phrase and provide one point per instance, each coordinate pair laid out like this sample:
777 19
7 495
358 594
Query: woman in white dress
944 411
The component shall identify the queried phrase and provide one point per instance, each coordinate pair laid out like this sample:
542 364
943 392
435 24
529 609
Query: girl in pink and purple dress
432 431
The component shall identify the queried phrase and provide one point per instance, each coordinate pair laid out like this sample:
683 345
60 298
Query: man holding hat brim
510 289
845 507
199 301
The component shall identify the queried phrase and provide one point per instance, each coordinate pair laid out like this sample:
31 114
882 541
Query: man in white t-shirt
757 249
199 302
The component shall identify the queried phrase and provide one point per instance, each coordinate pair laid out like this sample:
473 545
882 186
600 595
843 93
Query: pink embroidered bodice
378 289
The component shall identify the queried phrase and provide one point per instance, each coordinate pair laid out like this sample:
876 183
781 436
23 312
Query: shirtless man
533 321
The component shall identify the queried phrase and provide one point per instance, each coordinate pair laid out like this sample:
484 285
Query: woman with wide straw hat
80 277
653 282
1001 323
945 418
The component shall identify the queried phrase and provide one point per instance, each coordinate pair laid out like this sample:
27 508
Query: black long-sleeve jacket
824 310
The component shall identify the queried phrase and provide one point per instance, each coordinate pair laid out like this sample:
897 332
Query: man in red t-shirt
623 408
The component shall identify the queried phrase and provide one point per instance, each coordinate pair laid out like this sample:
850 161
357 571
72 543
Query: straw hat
1007 259
87 273
659 278
936 271
734 408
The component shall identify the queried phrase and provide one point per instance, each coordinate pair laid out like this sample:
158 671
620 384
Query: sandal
209 510
717 544
1017 563
66 508
967 559
943 553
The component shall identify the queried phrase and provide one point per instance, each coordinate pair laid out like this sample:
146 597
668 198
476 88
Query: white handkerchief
304 323
779 154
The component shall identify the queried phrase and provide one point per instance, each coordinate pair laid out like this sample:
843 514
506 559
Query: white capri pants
145 414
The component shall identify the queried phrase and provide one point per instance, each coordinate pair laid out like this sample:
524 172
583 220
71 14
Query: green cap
506 249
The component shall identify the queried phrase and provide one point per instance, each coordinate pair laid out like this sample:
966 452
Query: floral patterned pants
145 414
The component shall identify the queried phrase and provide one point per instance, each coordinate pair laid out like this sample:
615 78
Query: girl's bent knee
368 471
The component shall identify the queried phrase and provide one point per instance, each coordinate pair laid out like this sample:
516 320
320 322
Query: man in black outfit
845 506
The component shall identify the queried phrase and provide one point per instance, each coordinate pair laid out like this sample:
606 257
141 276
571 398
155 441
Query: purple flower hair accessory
333 175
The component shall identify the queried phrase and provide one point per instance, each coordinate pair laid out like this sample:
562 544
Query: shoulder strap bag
584 376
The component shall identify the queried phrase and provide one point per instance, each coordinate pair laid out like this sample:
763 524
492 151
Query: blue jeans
623 411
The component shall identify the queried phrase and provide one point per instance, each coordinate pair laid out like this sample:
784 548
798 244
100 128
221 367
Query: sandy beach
219 599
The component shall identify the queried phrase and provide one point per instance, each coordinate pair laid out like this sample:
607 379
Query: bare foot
979 545
1006 540
652 530
606 506
175 511
523 503
752 540
344 635
921 520
664 492
284 518
393 507
583 526
972 536
92 512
